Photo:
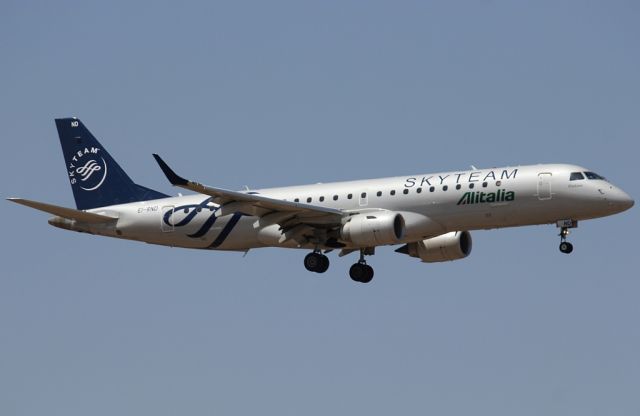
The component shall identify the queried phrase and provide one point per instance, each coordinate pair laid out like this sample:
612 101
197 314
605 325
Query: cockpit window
576 176
592 175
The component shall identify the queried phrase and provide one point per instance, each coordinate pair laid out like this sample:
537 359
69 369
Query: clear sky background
282 93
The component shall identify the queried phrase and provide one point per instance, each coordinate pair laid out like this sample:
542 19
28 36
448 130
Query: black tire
324 264
566 247
362 273
356 272
368 274
312 261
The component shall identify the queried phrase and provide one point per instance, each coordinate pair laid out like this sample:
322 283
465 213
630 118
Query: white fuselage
431 205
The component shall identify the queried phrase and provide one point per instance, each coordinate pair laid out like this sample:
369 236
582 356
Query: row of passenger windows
404 191
578 176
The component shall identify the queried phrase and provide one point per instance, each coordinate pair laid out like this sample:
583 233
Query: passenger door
544 186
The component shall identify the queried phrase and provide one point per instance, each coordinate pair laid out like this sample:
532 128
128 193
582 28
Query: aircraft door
166 219
544 186
363 199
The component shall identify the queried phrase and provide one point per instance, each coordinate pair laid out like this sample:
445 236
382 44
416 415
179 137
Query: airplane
429 215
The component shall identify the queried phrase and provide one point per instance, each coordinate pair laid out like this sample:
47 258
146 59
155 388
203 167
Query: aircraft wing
255 204
69 213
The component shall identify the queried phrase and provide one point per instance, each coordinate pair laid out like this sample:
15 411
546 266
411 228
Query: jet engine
446 247
374 229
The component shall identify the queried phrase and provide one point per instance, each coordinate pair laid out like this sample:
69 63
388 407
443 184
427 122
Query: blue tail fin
96 178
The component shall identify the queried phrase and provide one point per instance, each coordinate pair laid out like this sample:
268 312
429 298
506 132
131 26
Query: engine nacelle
374 229
451 246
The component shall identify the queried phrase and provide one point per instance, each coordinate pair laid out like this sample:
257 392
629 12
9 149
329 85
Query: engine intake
446 247
374 229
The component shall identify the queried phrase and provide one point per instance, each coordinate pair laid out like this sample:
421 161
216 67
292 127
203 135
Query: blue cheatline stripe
226 230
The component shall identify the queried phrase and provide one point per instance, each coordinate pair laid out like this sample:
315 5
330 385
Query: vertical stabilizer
96 178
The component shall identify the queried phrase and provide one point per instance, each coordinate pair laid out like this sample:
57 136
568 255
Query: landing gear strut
361 271
316 262
565 246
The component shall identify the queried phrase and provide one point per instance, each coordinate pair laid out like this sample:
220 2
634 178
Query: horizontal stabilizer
69 213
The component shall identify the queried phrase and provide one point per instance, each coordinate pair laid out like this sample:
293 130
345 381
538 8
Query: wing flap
69 213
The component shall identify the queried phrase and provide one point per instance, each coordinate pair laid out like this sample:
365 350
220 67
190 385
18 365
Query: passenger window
393 192
471 185
498 183
379 193
296 200
458 186
433 188
444 188
419 190
321 198
350 196
363 195
484 184
335 197
576 176
309 199
405 191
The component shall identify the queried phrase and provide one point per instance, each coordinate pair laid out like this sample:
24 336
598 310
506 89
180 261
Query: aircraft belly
237 233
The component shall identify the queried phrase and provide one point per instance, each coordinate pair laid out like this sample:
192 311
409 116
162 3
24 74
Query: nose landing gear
566 247
564 225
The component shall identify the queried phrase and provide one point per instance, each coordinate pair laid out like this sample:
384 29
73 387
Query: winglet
173 177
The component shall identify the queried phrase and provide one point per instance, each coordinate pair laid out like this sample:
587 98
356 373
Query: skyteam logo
191 211
87 169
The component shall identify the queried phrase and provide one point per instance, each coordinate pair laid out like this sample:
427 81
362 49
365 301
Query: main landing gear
360 272
316 262
564 225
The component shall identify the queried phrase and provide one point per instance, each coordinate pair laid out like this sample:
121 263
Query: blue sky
282 93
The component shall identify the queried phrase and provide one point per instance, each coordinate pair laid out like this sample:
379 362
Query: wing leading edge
254 204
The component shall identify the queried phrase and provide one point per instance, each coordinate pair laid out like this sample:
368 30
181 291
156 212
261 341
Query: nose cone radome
620 200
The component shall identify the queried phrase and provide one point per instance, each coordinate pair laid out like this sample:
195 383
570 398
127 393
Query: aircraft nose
620 199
